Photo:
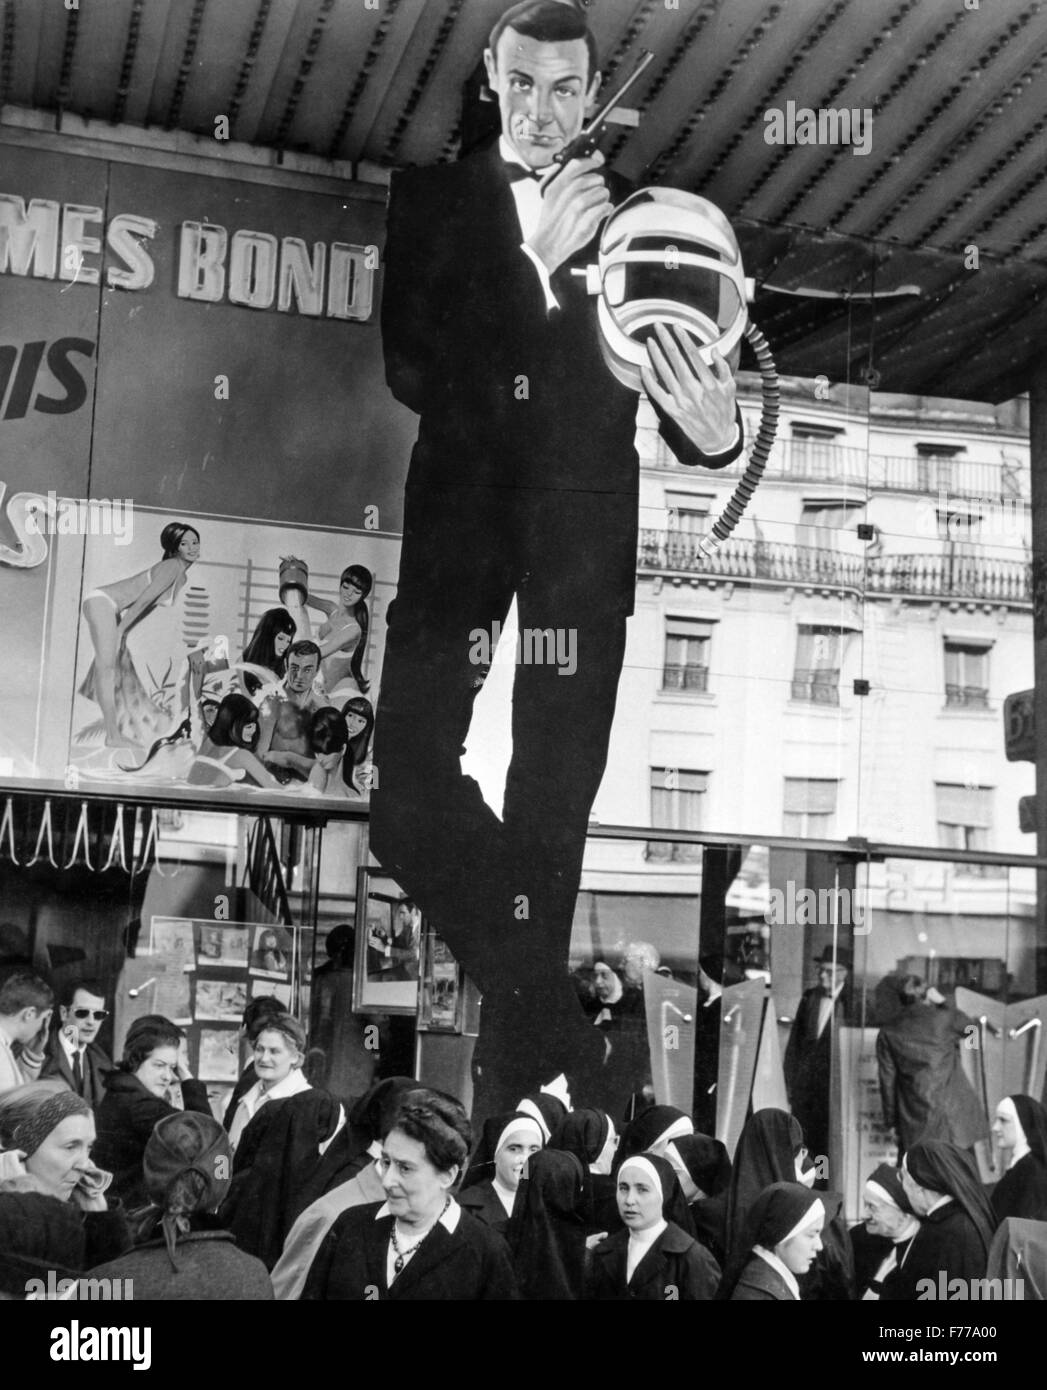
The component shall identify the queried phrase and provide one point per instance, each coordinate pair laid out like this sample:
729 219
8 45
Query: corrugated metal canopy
956 159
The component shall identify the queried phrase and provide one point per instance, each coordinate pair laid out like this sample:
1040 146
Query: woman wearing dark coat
491 1183
956 1222
770 1150
419 1244
1020 1130
704 1171
652 1259
783 1235
135 1099
547 1232
591 1137
182 1254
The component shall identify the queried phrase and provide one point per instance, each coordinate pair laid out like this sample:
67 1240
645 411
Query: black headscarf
551 1109
888 1177
945 1168
706 1160
766 1154
647 1129
547 1230
1033 1119
481 1165
773 1214
582 1133
1022 1191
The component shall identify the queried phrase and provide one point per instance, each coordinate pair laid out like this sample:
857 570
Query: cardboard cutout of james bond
523 485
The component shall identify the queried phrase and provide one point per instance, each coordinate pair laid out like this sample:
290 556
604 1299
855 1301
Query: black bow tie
516 172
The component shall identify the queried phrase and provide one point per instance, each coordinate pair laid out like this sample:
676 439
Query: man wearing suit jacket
808 1054
523 484
73 1050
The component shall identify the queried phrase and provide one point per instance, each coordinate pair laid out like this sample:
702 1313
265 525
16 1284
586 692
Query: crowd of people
123 1172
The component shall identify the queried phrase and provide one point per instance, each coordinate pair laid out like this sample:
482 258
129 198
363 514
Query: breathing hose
739 500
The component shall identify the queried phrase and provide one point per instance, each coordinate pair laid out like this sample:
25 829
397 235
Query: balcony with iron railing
948 575
801 461
966 696
693 679
820 686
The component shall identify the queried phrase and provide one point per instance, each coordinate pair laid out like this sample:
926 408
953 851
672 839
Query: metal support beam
1038 472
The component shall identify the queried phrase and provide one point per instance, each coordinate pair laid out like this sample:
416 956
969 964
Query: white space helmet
667 257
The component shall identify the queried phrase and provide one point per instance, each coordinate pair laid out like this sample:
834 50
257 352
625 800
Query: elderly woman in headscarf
547 1231
1020 1131
47 1133
783 1234
653 1258
890 1222
591 1137
181 1251
704 1171
418 1244
956 1221
279 1051
492 1180
771 1149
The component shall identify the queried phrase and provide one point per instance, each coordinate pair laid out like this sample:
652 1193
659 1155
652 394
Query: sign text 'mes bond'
47 240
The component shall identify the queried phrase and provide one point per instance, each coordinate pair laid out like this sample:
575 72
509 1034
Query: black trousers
501 892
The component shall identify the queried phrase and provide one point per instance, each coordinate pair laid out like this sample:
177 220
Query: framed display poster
388 946
441 1005
201 975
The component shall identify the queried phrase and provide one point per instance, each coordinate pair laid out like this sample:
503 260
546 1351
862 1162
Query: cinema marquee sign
48 240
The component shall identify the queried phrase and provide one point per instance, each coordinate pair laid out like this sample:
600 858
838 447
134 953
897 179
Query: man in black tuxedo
808 1053
73 1050
523 482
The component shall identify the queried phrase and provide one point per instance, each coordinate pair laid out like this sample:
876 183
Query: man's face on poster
405 920
301 672
543 90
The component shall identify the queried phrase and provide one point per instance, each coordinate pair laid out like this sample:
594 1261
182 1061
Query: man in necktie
808 1055
523 484
73 1050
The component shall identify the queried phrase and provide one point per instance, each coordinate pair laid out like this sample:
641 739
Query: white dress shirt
527 196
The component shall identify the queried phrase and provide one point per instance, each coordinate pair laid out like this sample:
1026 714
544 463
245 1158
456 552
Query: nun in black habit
653 1258
783 1235
492 1181
591 1137
957 1223
1020 1130
652 1130
547 1230
770 1150
704 1171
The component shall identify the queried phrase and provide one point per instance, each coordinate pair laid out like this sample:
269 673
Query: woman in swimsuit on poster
227 755
342 639
131 718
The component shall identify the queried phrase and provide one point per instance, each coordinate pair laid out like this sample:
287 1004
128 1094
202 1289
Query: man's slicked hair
548 21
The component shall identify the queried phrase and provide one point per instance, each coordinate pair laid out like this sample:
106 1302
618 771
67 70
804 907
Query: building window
966 675
964 815
677 796
816 678
813 450
809 808
935 465
687 643
688 513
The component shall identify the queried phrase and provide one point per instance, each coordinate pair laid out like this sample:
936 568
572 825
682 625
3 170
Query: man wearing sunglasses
73 1052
